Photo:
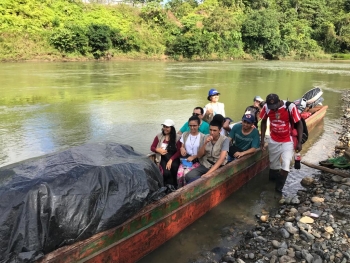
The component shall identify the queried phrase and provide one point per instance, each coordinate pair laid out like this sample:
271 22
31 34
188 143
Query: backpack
305 131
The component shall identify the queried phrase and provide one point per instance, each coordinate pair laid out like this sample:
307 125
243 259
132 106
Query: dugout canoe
160 221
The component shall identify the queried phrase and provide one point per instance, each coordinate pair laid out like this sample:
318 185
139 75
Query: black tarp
61 198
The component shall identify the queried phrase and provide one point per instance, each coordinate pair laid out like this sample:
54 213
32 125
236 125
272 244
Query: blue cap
212 92
249 118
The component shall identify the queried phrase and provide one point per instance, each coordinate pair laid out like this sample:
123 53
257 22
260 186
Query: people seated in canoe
190 142
203 126
211 153
245 138
214 106
255 109
225 122
167 146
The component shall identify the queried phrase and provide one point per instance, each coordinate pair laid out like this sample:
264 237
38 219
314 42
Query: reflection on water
46 107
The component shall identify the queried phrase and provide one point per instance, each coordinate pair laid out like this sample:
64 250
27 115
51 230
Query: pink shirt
280 127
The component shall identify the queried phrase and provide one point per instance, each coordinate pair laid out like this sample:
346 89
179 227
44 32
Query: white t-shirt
192 143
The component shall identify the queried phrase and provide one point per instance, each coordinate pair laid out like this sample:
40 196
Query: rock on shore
312 226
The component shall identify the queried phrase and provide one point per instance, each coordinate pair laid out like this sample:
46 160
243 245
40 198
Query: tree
261 34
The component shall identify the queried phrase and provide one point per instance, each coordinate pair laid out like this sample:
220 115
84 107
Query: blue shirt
203 128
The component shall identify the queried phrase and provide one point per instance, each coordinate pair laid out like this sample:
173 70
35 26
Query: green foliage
268 29
261 34
70 39
99 39
154 12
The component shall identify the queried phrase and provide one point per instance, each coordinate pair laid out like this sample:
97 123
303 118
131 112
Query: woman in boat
214 106
212 152
190 142
167 146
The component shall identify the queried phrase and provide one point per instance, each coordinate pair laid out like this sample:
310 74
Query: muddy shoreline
312 226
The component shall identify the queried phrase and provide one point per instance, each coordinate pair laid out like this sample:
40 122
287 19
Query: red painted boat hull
160 221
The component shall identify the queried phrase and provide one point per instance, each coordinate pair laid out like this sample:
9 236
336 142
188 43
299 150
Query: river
48 107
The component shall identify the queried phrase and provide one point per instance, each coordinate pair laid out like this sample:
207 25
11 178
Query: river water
48 107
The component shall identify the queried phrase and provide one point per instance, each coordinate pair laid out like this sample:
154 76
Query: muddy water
47 107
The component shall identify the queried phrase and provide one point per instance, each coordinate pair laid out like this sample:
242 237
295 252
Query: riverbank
312 226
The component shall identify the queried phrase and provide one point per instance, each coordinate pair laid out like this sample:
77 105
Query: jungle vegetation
178 29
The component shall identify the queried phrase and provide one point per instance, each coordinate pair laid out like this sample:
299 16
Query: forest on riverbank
178 29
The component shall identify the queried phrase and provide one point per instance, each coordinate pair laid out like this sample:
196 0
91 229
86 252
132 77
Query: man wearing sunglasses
203 127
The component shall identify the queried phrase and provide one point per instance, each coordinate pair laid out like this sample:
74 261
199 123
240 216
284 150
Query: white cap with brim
258 98
168 123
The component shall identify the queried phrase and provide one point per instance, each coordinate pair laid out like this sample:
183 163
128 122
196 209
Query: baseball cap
272 101
258 98
212 92
168 123
249 118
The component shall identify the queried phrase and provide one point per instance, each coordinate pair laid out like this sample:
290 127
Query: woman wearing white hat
167 146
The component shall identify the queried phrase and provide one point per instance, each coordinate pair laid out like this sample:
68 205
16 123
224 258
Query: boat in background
160 221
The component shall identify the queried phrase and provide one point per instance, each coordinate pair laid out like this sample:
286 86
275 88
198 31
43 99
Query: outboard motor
301 104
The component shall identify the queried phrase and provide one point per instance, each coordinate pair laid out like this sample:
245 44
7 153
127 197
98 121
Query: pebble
306 220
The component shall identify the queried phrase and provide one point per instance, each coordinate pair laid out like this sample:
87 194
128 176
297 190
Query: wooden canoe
160 221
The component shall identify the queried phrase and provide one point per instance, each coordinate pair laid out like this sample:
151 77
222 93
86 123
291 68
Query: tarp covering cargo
61 198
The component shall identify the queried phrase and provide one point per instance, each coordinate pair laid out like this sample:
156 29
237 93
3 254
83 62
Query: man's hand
262 145
238 154
299 147
209 139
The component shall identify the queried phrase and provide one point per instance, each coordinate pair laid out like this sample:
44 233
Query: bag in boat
61 198
233 149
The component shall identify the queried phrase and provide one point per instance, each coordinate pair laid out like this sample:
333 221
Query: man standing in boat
211 153
281 148
203 126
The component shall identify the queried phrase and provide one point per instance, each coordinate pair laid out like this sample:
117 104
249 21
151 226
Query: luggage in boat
65 197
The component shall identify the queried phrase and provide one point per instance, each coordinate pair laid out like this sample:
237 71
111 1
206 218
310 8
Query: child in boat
214 106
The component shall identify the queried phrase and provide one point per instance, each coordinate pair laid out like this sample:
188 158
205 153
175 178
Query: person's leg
196 173
180 177
166 173
230 159
174 167
286 158
275 162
